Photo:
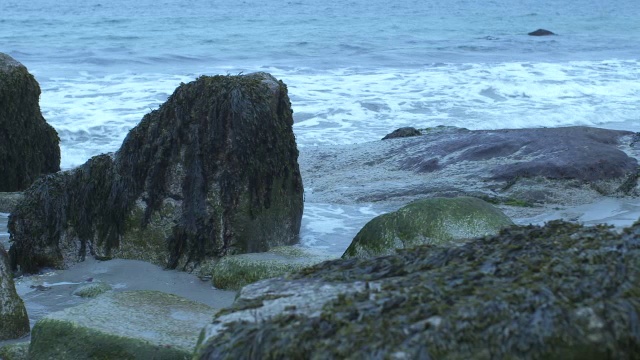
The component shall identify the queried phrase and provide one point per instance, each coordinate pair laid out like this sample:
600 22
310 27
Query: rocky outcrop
436 221
13 315
125 325
541 32
521 167
402 133
212 172
29 147
561 291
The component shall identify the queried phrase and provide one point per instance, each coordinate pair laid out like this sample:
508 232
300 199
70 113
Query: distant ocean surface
356 69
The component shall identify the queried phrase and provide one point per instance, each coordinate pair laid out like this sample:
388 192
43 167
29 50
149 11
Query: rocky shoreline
214 176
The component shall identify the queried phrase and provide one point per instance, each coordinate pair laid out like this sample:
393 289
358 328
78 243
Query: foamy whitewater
356 69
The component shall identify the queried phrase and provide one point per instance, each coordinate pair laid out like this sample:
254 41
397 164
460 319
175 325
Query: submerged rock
213 172
125 325
541 32
561 291
29 147
14 322
436 221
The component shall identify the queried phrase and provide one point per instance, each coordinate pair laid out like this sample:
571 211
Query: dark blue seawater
177 35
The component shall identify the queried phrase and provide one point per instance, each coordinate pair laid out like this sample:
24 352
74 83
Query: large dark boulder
29 147
212 172
561 291
14 322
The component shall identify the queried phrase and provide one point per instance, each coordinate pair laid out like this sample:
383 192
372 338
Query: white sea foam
331 227
94 113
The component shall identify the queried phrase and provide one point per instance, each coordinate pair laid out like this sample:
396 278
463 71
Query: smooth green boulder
561 291
235 271
126 325
434 221
14 322
29 146
212 172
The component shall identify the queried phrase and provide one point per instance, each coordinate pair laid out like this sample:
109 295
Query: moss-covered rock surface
126 325
235 271
92 290
14 322
19 351
561 291
212 172
436 221
29 147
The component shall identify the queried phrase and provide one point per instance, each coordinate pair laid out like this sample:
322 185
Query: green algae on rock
212 172
92 290
561 291
29 146
126 325
14 322
430 221
18 351
235 271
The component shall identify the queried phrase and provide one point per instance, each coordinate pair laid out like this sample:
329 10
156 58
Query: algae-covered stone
29 147
212 172
126 325
8 201
92 290
235 271
561 291
19 351
430 221
14 322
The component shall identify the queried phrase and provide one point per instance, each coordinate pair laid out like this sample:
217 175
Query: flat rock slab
125 325
568 166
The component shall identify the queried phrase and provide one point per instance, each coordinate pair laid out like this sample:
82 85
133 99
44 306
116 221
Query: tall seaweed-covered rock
434 221
29 147
14 322
212 172
561 291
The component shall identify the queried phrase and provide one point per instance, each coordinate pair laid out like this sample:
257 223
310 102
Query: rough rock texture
524 167
436 221
14 322
9 200
92 290
17 351
29 147
235 271
402 132
561 291
126 325
212 172
541 32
